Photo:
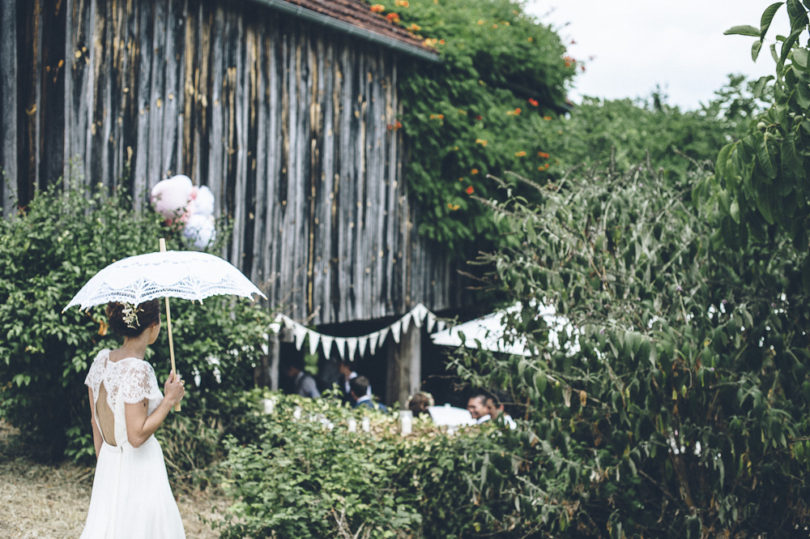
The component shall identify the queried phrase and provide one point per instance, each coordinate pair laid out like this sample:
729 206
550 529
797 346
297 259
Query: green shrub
307 475
47 252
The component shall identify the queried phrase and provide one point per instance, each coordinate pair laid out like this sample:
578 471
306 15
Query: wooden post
404 366
274 356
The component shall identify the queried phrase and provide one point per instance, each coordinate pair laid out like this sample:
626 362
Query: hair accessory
130 315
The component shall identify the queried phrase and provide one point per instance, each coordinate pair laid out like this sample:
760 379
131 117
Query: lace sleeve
140 384
96 372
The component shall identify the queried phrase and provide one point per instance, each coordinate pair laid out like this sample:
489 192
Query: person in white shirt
477 406
497 410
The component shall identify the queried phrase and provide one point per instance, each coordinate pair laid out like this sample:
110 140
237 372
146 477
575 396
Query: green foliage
305 474
49 250
763 176
680 401
626 132
479 111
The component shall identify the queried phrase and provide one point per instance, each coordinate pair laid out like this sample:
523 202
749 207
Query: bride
131 494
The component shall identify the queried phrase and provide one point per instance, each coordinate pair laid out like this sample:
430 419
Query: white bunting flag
383 334
396 327
372 342
419 313
362 343
299 332
314 338
341 346
352 348
440 325
431 321
406 321
326 344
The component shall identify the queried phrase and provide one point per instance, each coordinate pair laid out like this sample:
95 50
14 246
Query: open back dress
131 496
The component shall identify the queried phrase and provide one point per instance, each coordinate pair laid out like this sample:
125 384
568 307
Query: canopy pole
169 324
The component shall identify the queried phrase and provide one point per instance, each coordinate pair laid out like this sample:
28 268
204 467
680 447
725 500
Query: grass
45 501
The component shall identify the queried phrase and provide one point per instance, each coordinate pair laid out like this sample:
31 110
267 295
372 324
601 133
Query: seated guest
419 403
358 389
477 406
497 411
347 374
303 383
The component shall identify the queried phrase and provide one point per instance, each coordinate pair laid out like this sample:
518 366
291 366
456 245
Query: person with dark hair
477 406
131 494
303 382
348 374
419 403
497 411
361 397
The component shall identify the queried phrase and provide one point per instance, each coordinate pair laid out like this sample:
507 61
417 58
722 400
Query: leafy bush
680 406
47 252
308 475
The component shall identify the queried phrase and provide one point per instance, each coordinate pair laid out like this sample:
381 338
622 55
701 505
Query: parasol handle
169 324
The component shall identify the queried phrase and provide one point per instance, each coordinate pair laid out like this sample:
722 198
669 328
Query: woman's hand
174 389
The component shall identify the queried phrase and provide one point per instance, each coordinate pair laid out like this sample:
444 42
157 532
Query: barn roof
355 17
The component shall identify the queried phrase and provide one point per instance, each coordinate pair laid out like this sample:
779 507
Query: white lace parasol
178 274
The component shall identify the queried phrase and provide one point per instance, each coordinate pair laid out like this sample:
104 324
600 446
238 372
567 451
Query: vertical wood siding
287 123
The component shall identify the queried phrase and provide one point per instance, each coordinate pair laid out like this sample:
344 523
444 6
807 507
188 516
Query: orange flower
546 166
102 327
480 22
392 17
441 42
569 61
481 141
547 118
520 154
469 190
515 112
474 171
430 41
453 207
533 102
402 3
437 116
414 27
544 155
377 8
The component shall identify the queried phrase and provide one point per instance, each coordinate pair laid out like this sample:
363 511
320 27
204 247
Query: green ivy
490 105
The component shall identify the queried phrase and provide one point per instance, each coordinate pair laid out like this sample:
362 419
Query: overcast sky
631 45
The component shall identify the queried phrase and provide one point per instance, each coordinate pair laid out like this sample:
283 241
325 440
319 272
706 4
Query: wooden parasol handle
169 324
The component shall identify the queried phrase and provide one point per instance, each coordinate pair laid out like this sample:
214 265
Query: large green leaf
742 30
767 17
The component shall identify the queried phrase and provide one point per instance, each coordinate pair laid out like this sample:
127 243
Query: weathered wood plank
8 105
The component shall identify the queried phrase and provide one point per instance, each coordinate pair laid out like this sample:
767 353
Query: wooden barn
286 110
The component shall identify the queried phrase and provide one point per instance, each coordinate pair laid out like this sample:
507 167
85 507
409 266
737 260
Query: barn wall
290 126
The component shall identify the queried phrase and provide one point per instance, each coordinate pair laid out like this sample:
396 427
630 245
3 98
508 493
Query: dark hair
419 403
146 314
359 385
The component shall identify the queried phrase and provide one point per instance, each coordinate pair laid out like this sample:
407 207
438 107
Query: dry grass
44 501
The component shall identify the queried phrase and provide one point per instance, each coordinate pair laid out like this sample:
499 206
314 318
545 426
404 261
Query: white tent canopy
489 332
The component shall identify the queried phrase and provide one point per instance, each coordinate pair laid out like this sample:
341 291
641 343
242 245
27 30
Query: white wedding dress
131 495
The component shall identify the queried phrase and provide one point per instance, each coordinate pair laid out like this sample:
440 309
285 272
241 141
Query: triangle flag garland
348 346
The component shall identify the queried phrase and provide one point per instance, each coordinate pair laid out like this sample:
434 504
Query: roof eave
350 29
